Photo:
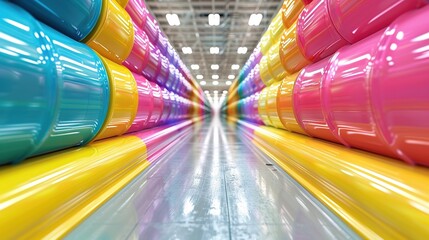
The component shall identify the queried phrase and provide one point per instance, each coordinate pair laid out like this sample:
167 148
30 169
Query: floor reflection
214 184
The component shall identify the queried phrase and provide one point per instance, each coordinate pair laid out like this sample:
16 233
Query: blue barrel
83 93
75 18
28 84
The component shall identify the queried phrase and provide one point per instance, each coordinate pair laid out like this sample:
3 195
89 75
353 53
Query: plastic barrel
399 88
308 103
262 107
137 60
123 100
113 36
317 36
74 18
151 70
355 20
272 112
158 105
145 104
82 94
264 72
291 55
290 12
285 105
28 81
166 111
275 66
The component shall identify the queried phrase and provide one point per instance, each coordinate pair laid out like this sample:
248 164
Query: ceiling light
255 19
203 83
214 19
231 77
215 77
186 50
228 83
172 19
207 91
242 50
215 83
214 50
195 66
199 77
215 67
225 92
235 66
215 91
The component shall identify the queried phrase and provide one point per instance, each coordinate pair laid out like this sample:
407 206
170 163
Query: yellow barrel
275 66
285 104
123 3
273 115
264 72
123 100
292 58
262 107
276 28
290 11
265 42
113 36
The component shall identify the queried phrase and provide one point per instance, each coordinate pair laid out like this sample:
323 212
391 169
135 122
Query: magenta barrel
150 26
345 96
136 9
158 105
172 76
307 103
174 111
400 87
166 111
153 67
326 25
315 33
254 111
355 20
145 104
138 58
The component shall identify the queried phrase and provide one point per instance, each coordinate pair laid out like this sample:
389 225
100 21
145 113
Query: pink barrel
167 106
307 101
150 26
138 58
158 105
145 104
356 20
153 67
136 9
174 108
317 37
400 87
345 96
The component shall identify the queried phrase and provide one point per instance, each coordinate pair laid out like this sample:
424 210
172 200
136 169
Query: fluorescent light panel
195 66
214 50
214 67
215 77
231 76
214 19
235 66
199 77
215 83
203 83
255 19
242 50
187 50
172 19
228 83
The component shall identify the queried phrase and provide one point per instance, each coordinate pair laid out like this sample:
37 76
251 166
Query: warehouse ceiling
232 33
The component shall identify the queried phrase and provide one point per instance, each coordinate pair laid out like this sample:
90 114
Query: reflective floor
213 185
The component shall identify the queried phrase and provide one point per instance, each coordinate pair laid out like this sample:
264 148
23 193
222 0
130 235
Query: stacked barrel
73 72
350 72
